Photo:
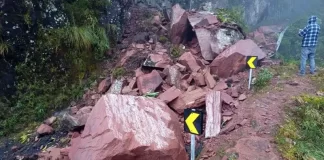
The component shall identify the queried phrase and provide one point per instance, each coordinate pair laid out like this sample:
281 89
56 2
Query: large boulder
124 127
179 24
213 42
233 59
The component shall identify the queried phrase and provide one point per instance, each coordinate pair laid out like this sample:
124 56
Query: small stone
220 86
104 86
138 72
95 96
44 129
199 79
243 122
242 97
50 120
14 148
74 109
181 67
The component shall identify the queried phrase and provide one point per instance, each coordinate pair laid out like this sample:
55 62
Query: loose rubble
205 76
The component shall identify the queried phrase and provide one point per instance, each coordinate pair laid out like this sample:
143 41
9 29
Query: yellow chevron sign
193 121
252 61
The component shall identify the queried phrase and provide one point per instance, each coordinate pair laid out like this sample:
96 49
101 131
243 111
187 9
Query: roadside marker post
194 126
251 62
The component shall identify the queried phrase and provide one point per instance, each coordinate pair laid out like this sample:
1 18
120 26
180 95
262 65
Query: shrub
176 51
263 78
163 39
118 72
302 136
232 15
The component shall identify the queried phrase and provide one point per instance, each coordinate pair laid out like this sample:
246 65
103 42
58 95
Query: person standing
310 36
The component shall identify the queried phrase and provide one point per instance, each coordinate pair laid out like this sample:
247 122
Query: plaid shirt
310 33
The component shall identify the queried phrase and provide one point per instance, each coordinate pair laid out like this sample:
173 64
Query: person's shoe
301 75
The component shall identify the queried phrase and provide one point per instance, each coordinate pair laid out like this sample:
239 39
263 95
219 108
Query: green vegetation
118 72
302 136
286 70
232 15
263 78
176 51
59 68
4 48
163 39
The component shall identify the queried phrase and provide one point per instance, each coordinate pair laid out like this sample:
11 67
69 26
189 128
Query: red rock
190 78
165 86
195 98
162 74
188 60
117 86
234 92
185 77
259 38
226 119
50 121
104 86
226 98
212 43
233 59
204 38
65 151
75 121
149 82
191 88
213 110
220 86
118 121
242 97
158 61
170 95
194 51
199 79
173 76
210 81
179 24
138 72
44 129
181 67
132 83
184 85
126 90
128 54
227 113
74 134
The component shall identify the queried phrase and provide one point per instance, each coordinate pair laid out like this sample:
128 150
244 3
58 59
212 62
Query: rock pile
120 123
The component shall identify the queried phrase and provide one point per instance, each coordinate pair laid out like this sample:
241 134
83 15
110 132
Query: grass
163 39
176 51
302 135
118 72
263 78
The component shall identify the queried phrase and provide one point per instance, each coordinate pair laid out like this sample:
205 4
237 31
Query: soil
260 116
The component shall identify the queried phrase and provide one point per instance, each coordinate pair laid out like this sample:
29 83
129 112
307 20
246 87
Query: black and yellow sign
252 62
193 121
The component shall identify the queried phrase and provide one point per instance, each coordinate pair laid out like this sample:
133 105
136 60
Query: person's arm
303 32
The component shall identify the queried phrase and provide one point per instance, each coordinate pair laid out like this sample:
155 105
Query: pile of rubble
122 122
